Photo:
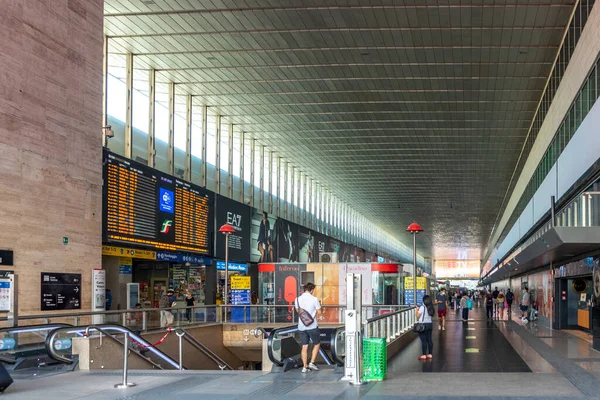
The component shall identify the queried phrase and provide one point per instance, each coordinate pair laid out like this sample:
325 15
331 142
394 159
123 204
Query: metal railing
390 326
108 330
184 336
146 319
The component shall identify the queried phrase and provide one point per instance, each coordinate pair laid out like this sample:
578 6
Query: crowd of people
498 306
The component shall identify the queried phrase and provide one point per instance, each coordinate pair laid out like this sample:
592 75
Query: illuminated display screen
457 269
149 208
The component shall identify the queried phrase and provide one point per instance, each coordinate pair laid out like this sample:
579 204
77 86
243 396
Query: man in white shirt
309 303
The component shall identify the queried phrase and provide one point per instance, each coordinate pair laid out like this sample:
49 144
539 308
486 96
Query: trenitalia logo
166 226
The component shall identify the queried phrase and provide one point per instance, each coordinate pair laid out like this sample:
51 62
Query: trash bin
374 359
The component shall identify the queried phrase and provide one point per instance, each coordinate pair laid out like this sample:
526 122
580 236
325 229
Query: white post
353 362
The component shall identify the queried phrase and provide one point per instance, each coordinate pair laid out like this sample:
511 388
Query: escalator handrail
274 332
103 327
222 364
283 331
334 355
26 329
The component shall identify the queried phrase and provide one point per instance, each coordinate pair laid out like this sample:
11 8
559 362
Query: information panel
149 208
61 291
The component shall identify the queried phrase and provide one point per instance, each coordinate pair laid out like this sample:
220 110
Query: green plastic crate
374 359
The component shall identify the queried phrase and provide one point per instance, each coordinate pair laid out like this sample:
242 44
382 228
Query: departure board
146 207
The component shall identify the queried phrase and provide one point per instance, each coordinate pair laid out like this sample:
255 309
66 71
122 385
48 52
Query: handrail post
144 321
125 384
76 320
180 334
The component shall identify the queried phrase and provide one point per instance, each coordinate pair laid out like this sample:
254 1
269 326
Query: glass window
301 191
257 164
161 126
274 176
236 153
196 142
140 115
247 159
266 177
180 135
224 148
289 185
211 139
116 99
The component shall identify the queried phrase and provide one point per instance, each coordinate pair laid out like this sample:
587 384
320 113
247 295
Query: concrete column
51 142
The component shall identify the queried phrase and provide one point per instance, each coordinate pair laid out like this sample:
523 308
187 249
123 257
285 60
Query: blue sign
240 297
182 258
125 270
235 267
166 200
4 285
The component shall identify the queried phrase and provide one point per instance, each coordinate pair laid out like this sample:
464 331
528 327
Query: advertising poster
330 284
365 271
287 288
349 253
237 215
307 246
321 244
287 241
263 237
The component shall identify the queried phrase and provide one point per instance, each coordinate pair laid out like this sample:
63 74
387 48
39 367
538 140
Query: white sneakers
311 367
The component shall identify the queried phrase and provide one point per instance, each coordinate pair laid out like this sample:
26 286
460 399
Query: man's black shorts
313 335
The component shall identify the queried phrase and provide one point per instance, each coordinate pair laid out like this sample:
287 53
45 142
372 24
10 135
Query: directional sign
61 291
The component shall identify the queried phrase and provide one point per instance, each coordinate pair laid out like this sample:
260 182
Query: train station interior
349 199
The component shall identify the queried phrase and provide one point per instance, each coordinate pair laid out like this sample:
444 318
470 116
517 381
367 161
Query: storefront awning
557 245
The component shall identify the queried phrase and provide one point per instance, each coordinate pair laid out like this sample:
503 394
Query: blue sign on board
166 200
182 258
232 266
125 270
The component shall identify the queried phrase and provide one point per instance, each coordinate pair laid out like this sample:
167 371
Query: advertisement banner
307 250
287 241
367 282
287 288
263 237
237 215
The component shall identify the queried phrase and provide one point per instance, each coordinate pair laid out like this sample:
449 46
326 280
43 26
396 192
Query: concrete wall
50 140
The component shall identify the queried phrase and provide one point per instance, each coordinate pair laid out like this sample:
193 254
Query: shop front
574 294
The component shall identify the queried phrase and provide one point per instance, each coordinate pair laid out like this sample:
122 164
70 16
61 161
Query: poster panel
356 268
237 215
287 241
263 237
307 245
287 288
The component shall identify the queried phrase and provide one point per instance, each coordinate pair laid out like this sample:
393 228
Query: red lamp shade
414 228
227 229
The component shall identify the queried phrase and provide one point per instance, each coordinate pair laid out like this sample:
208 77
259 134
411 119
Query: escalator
23 351
284 348
195 343
58 344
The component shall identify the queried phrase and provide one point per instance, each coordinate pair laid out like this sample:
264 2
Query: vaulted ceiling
408 110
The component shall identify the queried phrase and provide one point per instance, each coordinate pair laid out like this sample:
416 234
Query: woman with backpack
489 305
424 315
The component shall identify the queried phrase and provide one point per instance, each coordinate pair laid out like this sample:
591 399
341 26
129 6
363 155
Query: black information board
237 215
61 291
146 207
6 257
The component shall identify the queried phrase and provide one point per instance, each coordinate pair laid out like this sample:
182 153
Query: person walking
525 302
495 296
424 316
464 305
166 316
489 305
500 300
307 302
189 302
509 300
442 302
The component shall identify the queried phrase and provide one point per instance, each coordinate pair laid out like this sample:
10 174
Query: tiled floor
492 351
563 367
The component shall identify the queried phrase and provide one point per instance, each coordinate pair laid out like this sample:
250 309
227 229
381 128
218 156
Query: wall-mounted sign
6 257
240 282
457 269
152 209
182 258
125 252
238 216
232 267
60 291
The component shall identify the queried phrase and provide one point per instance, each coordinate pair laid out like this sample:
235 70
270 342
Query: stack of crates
374 359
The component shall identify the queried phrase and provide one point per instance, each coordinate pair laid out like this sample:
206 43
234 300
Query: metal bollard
125 384
180 334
